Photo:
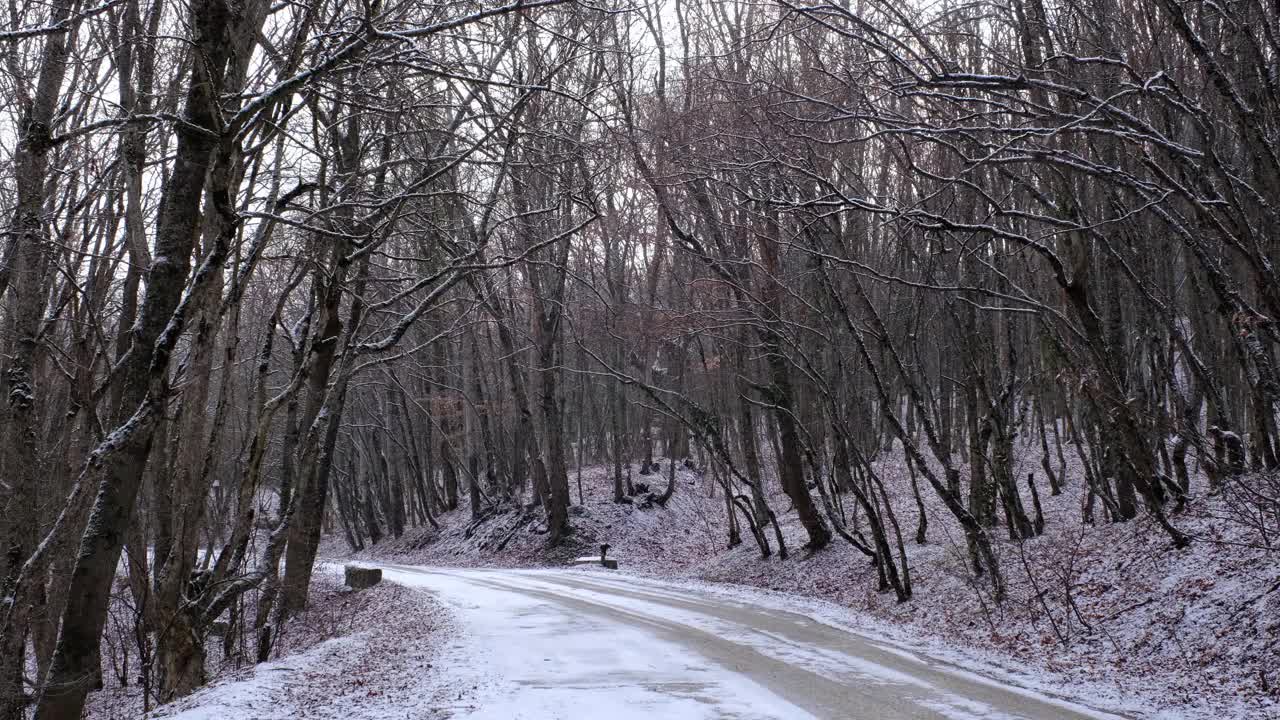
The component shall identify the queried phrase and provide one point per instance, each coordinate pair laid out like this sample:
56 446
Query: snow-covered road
544 644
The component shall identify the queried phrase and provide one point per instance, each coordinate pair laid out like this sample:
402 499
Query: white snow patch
258 696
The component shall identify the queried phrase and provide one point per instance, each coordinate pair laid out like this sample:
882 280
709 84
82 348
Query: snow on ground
262 692
831 670
367 671
535 660
342 657
1107 612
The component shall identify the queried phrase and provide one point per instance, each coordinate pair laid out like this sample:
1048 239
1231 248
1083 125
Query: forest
272 271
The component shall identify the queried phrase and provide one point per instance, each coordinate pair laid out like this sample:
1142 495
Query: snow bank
348 654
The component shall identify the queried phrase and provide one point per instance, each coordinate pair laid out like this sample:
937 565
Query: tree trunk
123 456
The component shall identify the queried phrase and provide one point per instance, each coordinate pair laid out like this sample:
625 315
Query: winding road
568 644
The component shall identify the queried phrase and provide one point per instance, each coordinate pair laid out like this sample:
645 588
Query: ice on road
547 644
